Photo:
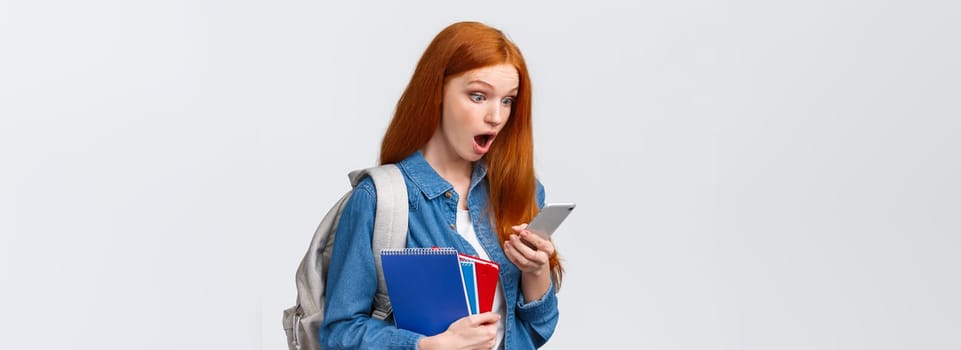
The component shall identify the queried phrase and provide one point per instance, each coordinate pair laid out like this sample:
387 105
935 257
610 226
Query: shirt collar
428 181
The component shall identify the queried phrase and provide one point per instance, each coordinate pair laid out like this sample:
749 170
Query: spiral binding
419 251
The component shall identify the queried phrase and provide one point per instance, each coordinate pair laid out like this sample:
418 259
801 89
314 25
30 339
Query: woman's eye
508 100
477 97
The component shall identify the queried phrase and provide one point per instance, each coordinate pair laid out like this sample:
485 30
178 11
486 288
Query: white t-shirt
465 228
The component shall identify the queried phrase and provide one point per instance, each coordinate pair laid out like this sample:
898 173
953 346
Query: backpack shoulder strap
390 223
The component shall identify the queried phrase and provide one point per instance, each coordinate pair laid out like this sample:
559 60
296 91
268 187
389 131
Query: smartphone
549 218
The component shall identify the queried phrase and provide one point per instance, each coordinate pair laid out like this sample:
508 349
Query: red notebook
487 273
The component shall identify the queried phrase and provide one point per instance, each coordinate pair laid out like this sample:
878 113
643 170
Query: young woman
462 137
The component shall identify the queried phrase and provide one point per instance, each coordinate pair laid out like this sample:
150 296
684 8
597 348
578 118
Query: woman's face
476 107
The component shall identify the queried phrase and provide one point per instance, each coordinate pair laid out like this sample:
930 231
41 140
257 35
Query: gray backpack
301 321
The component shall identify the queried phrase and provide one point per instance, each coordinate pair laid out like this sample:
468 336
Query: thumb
486 318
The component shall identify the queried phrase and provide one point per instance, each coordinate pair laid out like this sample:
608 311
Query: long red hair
457 49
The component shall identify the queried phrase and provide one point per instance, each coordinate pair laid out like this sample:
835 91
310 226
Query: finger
516 257
494 316
521 245
526 258
484 318
528 252
519 228
539 243
531 260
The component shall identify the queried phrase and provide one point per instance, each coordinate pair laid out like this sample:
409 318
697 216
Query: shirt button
447 194
452 227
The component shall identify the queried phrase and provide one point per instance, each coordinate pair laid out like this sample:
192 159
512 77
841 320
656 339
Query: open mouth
483 140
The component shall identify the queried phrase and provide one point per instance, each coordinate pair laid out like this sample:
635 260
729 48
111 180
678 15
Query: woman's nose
497 114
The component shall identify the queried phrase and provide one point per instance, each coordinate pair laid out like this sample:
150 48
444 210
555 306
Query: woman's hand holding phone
528 251
533 261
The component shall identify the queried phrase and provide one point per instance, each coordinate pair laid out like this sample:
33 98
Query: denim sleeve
352 283
539 193
540 316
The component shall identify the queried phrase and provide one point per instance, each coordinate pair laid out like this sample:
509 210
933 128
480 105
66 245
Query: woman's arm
536 305
352 283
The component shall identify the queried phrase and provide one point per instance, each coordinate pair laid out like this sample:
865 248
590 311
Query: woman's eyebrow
489 86
478 81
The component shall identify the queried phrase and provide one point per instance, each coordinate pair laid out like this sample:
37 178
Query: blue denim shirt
352 280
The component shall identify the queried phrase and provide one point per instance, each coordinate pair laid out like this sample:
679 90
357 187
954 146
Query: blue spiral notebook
470 284
426 288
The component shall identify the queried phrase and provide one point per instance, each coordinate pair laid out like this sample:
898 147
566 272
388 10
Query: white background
749 175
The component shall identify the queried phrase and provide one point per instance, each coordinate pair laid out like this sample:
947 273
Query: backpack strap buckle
382 308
